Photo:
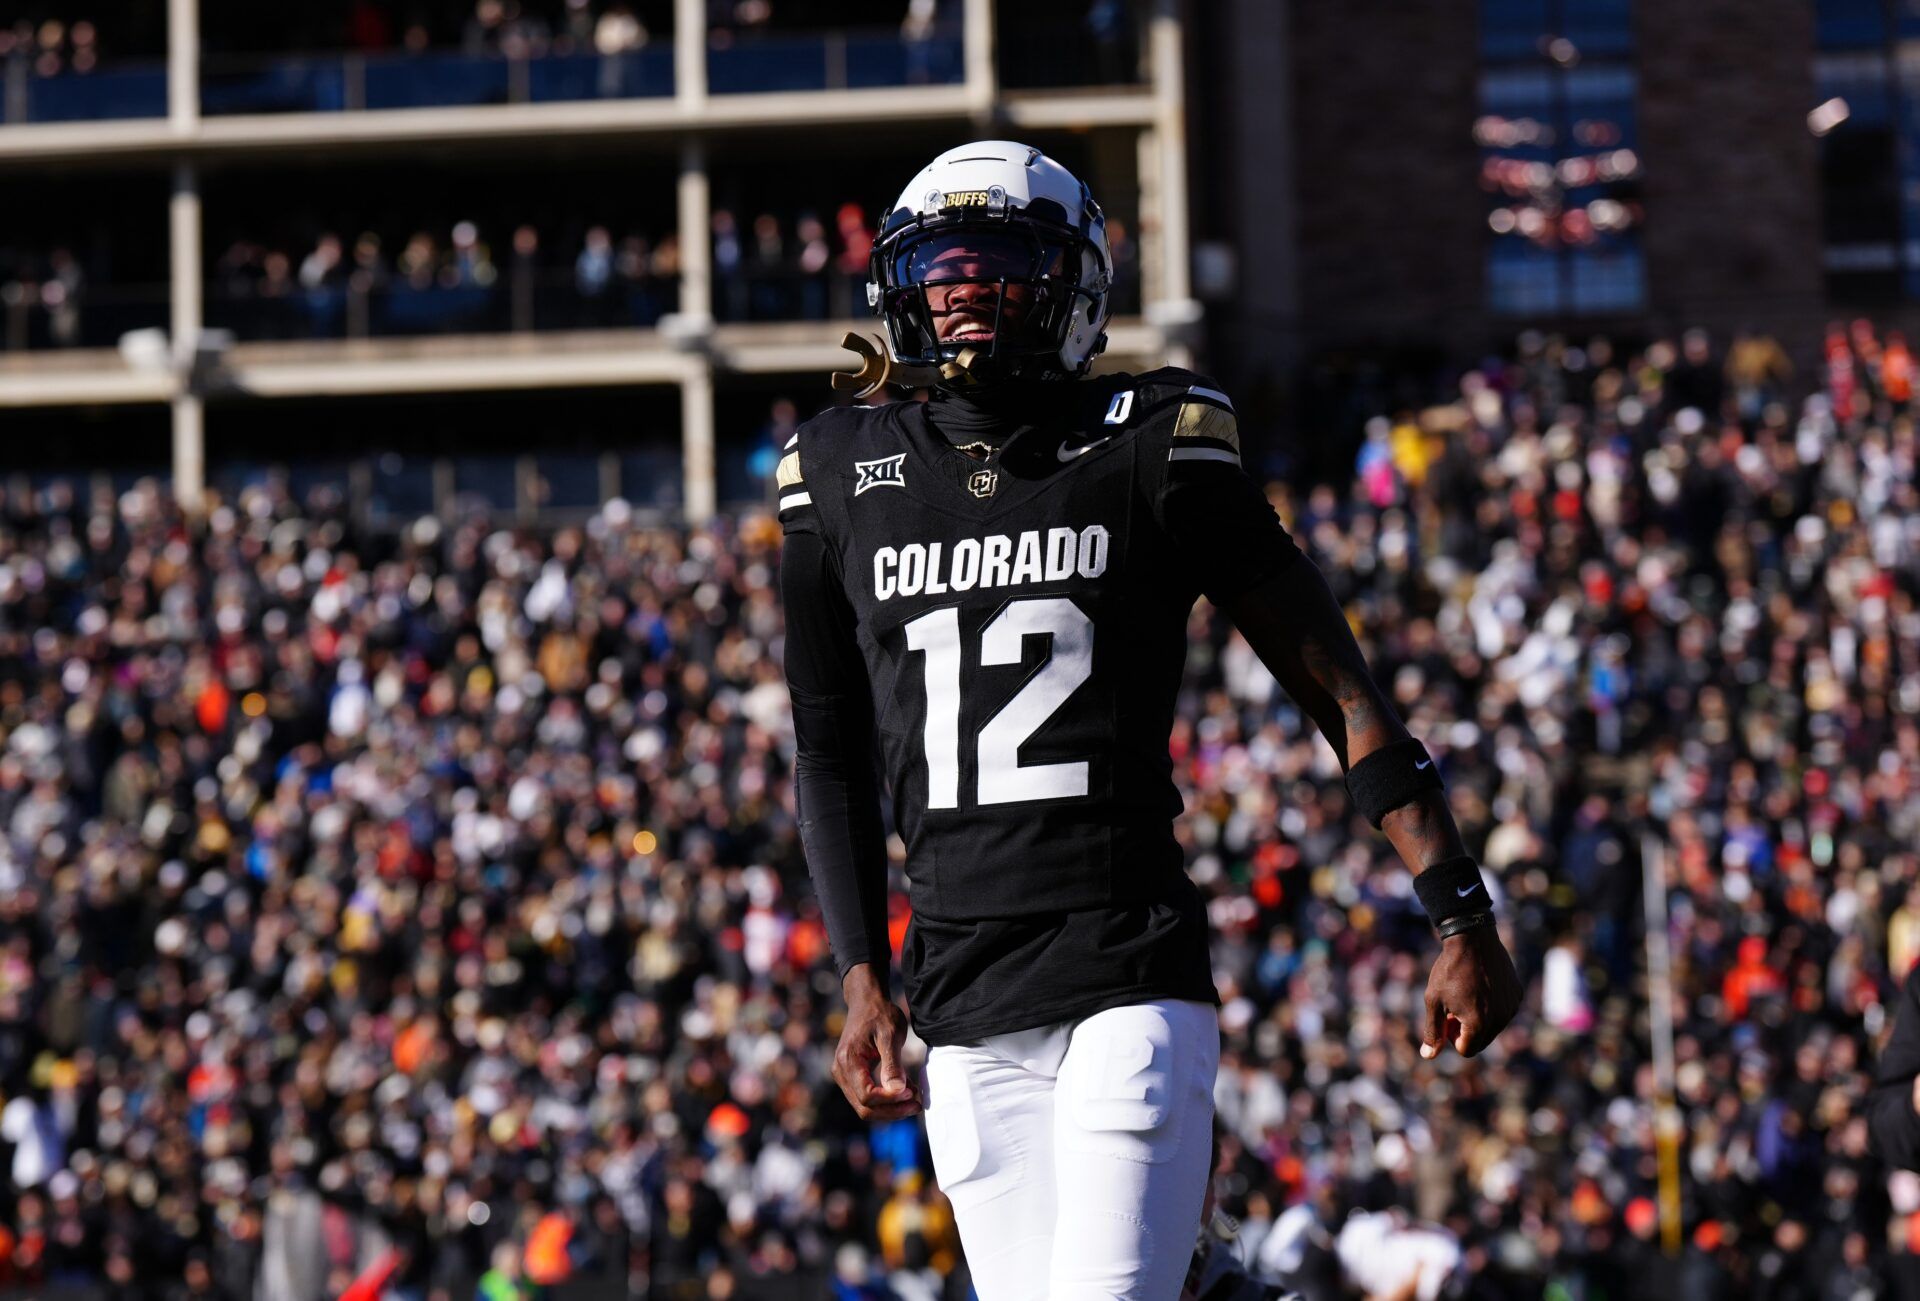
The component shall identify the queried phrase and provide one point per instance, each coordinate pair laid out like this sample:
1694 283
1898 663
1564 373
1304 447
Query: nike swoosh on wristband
1066 455
1427 764
1469 890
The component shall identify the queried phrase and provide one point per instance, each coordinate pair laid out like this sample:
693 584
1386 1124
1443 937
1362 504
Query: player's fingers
892 1080
859 1080
894 1108
869 1102
1433 1035
1470 1040
860 1095
851 1075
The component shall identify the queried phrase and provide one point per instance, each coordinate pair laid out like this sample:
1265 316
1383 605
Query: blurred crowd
50 39
41 298
535 28
773 267
780 269
1629 600
50 47
436 282
770 270
422 915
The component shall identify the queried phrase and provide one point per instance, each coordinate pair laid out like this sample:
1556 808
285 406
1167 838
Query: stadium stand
438 892
398 887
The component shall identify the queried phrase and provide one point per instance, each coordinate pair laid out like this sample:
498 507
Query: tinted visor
976 255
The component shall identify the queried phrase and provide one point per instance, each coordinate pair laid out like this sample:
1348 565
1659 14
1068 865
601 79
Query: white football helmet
995 213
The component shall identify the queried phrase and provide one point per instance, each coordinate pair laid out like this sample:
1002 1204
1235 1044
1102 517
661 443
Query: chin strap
963 369
877 369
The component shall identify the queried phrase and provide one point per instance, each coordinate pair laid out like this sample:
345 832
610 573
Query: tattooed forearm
1424 831
1294 623
1331 660
1296 626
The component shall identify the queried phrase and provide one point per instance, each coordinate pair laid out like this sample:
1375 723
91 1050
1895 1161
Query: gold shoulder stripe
1204 420
788 472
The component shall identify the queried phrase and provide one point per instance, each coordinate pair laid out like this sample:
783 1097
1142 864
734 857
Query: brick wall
1349 124
1390 215
1733 233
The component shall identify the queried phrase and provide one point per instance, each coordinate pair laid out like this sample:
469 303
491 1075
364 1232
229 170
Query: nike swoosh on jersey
1427 764
1067 454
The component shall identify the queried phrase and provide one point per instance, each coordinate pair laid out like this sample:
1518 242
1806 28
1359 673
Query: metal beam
1081 110
695 223
480 372
468 363
189 421
157 139
740 352
189 452
1170 127
977 45
104 387
668 119
183 65
700 494
690 52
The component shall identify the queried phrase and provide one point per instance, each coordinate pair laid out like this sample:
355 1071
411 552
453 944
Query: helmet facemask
982 298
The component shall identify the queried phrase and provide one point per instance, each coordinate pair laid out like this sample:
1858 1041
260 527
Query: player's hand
866 1065
1472 992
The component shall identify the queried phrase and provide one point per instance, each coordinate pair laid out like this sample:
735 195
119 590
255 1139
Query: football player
987 598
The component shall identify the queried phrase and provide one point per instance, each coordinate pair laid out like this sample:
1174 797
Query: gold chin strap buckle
961 369
877 369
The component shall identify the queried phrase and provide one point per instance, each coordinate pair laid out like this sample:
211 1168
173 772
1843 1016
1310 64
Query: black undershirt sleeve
834 783
1226 528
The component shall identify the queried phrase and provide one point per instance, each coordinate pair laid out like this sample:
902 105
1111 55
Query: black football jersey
1023 623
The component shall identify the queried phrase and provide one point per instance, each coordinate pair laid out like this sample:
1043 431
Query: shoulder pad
1172 381
1192 414
837 434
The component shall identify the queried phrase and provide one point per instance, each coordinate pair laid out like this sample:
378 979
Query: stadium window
1559 157
1850 24
1868 124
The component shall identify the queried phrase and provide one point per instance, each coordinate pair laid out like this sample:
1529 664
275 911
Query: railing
346 83
509 304
752 293
117 91
34 316
353 81
391 489
834 61
1057 51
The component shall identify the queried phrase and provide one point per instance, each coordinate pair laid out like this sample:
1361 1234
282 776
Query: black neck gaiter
993 416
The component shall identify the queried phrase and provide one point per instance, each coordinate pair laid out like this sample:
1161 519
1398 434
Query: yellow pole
1668 1125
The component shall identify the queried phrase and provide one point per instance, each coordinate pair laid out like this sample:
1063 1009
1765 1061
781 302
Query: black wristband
1391 777
1452 889
1464 922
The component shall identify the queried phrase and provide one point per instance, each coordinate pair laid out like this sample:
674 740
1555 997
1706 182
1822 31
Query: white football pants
1076 1156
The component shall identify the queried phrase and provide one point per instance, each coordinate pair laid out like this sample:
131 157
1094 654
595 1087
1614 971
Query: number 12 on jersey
1002 778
